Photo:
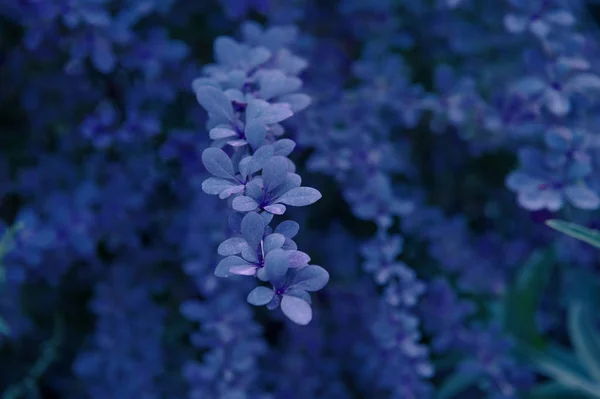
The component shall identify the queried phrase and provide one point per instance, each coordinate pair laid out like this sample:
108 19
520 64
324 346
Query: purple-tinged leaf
248 270
298 259
230 191
224 266
275 209
243 203
237 143
296 309
218 133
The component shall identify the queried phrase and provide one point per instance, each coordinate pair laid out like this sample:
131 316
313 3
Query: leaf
561 371
298 259
574 230
275 209
276 264
288 228
522 300
217 163
273 241
584 337
232 246
300 196
243 203
274 172
277 113
260 296
253 229
311 278
224 267
297 101
4 330
215 185
284 147
296 310
456 383
274 83
554 390
255 134
214 102
218 133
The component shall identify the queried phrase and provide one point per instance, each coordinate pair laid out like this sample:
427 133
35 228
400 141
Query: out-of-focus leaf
556 368
574 230
585 337
554 390
456 383
522 300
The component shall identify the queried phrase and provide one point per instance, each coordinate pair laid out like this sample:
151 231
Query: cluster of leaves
248 94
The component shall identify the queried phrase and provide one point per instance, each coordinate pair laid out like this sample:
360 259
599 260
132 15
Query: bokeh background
441 134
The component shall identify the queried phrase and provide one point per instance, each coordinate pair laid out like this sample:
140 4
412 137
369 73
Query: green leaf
561 371
4 330
555 390
585 337
574 230
456 383
522 300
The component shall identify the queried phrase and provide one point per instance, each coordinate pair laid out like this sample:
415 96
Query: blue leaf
299 293
311 278
214 102
300 196
274 172
296 309
277 113
276 264
274 83
297 101
223 269
284 147
218 133
261 111
260 296
232 246
273 241
243 203
255 134
275 209
215 186
288 228
217 163
298 259
253 229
